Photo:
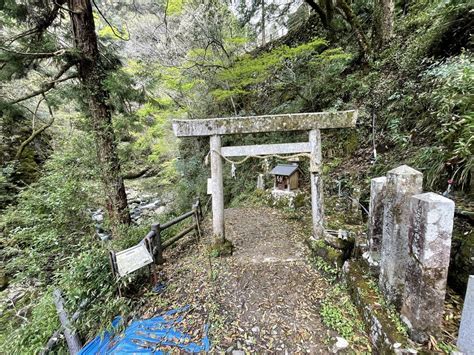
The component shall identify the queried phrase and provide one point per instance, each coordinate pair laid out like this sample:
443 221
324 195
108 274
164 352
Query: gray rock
340 344
402 183
429 234
150 205
466 330
98 216
375 221
104 236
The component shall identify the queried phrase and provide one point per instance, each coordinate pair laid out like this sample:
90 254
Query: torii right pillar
315 168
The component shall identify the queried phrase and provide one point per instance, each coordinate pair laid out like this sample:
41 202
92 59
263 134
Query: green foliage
221 248
49 242
51 215
249 71
389 308
330 271
431 29
451 107
175 7
30 336
339 313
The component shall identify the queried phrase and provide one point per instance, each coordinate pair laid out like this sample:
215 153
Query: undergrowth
338 312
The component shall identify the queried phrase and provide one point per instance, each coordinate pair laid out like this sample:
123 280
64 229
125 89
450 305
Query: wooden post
55 337
113 263
72 339
197 219
158 252
316 183
199 208
217 190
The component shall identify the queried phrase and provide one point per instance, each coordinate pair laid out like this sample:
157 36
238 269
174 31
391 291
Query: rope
238 162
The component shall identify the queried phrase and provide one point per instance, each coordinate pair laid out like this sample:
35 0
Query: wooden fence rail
154 237
154 243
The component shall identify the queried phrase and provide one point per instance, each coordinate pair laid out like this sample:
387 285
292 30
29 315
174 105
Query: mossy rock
329 254
387 334
3 279
221 248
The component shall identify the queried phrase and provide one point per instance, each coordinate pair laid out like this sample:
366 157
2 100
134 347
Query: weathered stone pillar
375 227
260 182
402 183
466 329
316 183
429 235
217 189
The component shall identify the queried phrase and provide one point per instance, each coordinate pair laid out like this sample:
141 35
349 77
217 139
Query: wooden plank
55 337
72 339
265 149
178 236
132 259
176 220
268 123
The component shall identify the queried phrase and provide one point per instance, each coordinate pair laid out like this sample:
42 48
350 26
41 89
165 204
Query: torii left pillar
217 189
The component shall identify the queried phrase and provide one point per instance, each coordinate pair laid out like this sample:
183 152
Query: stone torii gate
216 127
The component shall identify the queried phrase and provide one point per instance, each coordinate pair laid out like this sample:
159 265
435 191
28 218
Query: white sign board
209 186
132 259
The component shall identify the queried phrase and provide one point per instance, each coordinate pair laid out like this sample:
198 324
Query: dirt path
264 298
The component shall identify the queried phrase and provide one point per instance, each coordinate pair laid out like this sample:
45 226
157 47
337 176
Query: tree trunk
263 23
354 22
322 14
383 23
92 74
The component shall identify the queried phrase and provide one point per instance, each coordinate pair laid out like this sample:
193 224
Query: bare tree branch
50 85
42 25
110 25
34 134
35 55
320 11
353 20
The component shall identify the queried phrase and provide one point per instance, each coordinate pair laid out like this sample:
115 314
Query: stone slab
466 330
375 222
402 183
266 149
423 303
430 231
382 330
267 123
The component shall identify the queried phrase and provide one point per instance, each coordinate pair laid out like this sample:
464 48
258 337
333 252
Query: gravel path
264 298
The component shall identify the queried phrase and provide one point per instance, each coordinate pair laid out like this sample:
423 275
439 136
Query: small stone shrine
286 177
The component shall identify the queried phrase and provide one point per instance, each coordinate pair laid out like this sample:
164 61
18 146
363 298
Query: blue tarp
147 337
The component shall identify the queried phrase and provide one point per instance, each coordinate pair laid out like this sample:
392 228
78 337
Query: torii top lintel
268 123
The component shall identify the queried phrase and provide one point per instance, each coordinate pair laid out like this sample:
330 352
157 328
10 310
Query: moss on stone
382 321
330 255
221 248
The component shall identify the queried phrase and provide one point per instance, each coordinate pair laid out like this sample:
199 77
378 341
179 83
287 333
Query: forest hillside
89 160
